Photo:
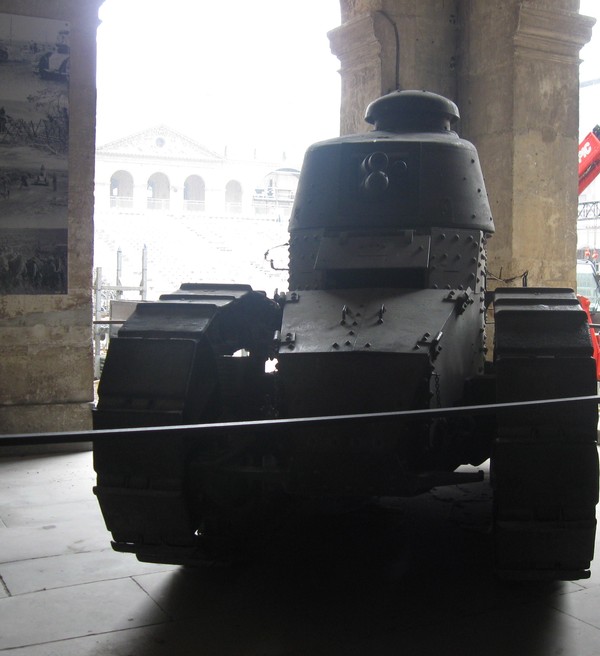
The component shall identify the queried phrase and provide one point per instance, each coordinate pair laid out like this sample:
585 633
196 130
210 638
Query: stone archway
121 190
194 194
233 197
158 192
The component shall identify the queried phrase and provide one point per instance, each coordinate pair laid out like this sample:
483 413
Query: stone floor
409 577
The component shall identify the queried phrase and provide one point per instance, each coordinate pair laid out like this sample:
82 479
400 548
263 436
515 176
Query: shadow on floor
411 577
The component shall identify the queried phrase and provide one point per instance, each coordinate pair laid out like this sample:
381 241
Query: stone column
46 366
176 197
518 92
214 194
140 193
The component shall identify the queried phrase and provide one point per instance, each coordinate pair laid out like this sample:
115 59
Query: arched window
121 190
158 192
193 194
233 197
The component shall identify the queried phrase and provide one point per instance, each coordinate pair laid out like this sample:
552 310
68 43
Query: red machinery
585 304
589 159
589 169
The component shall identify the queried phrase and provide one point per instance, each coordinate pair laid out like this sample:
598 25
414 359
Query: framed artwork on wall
34 147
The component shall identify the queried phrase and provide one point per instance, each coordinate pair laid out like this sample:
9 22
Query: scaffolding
104 295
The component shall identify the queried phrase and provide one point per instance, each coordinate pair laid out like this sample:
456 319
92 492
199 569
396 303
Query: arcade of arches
180 176
158 194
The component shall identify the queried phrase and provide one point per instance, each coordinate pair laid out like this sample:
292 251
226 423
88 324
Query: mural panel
34 144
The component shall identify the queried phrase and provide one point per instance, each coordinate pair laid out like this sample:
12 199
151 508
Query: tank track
544 461
184 503
150 486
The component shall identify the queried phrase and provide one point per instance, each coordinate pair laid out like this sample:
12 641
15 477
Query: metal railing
193 206
589 210
233 207
121 202
158 203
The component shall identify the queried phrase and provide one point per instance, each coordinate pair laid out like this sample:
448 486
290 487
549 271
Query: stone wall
46 373
512 67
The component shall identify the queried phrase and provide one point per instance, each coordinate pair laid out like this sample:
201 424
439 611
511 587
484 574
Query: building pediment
158 143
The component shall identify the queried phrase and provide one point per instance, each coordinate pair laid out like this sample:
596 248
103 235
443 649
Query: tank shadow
400 575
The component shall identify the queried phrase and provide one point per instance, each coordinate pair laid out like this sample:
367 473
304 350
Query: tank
368 378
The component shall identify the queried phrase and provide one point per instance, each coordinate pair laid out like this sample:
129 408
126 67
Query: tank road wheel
544 461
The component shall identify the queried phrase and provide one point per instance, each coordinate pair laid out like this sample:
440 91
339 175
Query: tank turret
384 207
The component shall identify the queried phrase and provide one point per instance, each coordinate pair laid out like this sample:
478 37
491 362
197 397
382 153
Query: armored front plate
388 320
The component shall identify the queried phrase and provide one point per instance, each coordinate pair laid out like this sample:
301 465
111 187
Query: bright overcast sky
237 73
240 73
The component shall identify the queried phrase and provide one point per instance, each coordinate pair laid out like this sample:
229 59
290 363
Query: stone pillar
176 198
512 68
46 368
214 194
519 96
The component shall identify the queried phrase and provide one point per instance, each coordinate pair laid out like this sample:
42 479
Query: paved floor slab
53 539
37 574
75 611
